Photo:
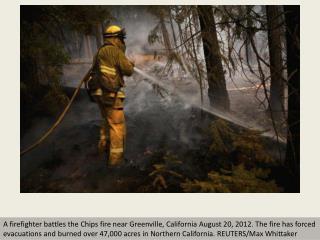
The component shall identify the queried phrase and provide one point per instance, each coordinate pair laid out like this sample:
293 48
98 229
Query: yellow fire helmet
114 31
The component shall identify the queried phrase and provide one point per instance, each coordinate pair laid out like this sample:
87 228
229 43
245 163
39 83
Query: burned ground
169 148
175 141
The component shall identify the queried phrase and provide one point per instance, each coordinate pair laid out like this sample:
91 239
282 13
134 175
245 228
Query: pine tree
217 91
276 63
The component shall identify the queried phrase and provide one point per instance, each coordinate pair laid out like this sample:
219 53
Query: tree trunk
276 63
217 91
165 36
98 35
292 16
195 57
172 29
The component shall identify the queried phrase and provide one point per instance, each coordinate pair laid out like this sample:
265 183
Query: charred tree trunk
217 91
292 17
276 63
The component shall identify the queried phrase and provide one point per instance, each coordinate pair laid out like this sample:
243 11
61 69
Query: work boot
114 162
115 167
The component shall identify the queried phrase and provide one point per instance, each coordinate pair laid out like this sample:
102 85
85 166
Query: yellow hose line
60 118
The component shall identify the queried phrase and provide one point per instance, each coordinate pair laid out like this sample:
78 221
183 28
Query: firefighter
106 88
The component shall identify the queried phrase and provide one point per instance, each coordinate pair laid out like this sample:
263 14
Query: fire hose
59 119
75 93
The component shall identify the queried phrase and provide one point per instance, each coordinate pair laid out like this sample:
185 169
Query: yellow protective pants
113 131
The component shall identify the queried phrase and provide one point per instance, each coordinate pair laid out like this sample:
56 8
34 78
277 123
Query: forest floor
170 147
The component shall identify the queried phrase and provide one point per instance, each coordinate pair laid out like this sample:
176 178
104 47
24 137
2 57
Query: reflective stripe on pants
113 126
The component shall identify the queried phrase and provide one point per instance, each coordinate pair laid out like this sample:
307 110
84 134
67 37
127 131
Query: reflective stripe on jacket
113 63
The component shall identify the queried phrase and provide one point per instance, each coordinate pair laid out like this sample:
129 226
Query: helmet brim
121 34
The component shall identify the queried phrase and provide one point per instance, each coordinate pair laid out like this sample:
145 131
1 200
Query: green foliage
43 53
247 144
164 170
162 13
239 179
248 170
221 137
250 148
246 173
240 20
53 99
83 18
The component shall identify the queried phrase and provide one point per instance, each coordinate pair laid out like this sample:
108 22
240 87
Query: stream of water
211 110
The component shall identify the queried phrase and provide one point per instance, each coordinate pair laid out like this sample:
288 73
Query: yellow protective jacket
110 65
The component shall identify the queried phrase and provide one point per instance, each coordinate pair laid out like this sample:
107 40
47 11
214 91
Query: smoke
194 102
162 110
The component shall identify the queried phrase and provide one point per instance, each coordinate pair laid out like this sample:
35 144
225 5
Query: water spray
213 111
168 88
